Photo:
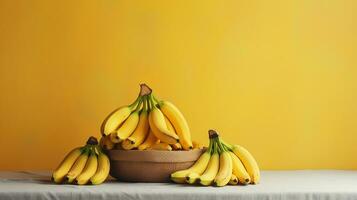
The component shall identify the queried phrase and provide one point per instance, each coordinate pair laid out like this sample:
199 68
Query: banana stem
135 103
159 102
228 146
145 107
209 150
138 107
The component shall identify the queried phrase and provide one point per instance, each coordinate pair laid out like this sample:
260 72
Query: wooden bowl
150 165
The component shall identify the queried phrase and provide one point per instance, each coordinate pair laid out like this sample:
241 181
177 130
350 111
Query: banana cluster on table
83 165
219 165
146 124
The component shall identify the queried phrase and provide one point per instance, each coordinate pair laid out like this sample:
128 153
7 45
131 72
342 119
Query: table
281 185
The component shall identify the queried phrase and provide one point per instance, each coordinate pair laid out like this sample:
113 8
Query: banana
239 170
89 170
66 165
248 161
176 146
192 178
142 130
128 127
197 145
212 169
159 127
160 146
150 140
126 144
233 180
117 117
179 123
106 143
198 167
225 169
102 170
77 166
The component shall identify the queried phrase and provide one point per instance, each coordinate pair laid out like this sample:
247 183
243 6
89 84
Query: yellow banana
212 169
128 127
102 170
192 178
117 117
238 170
159 127
142 130
106 143
249 162
225 169
199 167
66 165
150 140
176 146
77 167
126 144
233 180
160 146
179 123
89 170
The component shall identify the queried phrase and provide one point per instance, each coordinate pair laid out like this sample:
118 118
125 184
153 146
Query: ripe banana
126 144
249 162
150 140
102 170
225 169
239 170
66 165
160 146
212 169
176 146
78 166
192 178
179 123
233 180
89 170
106 143
117 117
128 127
159 127
142 130
199 167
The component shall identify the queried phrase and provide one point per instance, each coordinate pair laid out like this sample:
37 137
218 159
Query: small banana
239 170
102 170
179 123
197 145
249 162
192 178
225 169
233 180
78 166
150 140
212 169
117 117
176 146
126 144
198 167
106 143
160 146
66 165
142 130
89 170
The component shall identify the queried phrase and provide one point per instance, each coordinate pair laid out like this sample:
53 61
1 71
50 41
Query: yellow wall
279 77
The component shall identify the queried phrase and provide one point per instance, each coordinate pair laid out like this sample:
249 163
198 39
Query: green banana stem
138 107
209 150
157 101
135 103
145 107
228 146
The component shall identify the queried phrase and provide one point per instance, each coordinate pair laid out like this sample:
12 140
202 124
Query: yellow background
279 77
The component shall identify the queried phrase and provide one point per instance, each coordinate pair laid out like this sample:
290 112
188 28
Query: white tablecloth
294 185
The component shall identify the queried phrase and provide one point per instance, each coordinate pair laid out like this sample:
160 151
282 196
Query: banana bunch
219 165
146 124
83 165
